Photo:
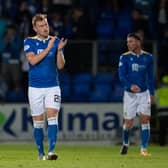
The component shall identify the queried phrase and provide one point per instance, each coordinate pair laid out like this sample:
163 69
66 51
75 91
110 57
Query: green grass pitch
82 156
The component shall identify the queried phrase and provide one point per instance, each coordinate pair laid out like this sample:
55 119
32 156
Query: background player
44 54
136 74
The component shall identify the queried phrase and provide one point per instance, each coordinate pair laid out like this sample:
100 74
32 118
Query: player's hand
62 44
135 88
51 42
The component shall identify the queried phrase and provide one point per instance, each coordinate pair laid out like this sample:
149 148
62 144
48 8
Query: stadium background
91 91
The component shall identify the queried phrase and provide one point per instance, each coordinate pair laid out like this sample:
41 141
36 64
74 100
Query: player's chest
137 64
40 46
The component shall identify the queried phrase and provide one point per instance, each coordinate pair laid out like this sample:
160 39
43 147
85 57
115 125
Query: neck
42 37
137 51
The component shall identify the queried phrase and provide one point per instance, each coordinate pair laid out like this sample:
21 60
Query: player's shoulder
29 42
56 37
30 39
51 36
147 53
126 54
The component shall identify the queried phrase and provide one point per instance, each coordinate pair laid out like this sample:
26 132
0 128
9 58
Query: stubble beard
44 35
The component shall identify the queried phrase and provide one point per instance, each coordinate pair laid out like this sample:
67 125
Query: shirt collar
136 54
42 39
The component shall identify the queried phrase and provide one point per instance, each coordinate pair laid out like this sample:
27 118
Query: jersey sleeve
28 46
150 72
123 72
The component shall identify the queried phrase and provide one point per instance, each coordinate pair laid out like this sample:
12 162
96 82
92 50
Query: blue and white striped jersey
44 74
137 70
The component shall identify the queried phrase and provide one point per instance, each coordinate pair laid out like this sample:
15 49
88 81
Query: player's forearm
150 81
60 59
126 83
37 58
151 87
123 79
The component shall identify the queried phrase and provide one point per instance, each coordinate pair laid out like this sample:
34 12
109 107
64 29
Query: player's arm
60 55
33 58
123 72
150 82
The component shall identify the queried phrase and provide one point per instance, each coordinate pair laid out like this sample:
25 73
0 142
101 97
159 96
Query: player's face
42 28
133 44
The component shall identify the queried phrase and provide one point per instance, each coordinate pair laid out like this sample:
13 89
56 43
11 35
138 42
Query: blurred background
91 92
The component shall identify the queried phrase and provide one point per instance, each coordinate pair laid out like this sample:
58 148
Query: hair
38 17
135 35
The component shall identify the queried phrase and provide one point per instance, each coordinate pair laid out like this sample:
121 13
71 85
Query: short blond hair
38 17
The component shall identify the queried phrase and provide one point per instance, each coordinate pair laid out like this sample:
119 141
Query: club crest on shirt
131 59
